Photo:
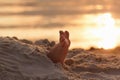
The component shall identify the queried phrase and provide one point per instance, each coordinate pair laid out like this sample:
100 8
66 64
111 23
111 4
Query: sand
21 61
25 60
94 65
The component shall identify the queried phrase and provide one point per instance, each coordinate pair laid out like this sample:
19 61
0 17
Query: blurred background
90 22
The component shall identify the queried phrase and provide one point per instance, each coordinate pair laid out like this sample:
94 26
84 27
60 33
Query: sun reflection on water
107 32
97 30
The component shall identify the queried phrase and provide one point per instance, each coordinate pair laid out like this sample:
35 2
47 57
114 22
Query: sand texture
93 65
25 60
21 61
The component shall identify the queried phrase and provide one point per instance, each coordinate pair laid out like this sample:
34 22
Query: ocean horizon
38 19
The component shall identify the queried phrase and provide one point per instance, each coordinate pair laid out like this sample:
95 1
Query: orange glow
97 30
108 32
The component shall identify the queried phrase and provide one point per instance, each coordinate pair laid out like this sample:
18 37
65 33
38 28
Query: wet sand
27 60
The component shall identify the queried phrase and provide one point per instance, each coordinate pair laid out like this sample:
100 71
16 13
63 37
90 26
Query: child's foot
59 51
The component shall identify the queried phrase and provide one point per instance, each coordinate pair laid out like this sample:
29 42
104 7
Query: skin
58 53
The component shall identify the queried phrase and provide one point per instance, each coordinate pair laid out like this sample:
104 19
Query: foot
58 53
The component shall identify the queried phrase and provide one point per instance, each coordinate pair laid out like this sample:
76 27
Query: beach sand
27 60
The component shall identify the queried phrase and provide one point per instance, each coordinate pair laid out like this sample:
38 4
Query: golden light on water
108 32
33 20
97 30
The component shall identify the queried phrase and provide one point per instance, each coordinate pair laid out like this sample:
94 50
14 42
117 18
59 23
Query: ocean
91 23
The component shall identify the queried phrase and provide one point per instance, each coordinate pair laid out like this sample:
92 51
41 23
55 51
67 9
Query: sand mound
21 61
25 60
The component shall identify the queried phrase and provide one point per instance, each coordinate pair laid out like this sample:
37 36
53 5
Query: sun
107 31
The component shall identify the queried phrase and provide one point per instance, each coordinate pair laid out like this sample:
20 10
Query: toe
67 34
61 32
62 40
